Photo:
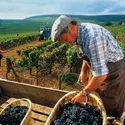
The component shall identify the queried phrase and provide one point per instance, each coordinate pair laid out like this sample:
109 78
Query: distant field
10 29
118 32
5 37
31 26
18 26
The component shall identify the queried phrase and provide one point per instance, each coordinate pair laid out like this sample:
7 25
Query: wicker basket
22 102
92 100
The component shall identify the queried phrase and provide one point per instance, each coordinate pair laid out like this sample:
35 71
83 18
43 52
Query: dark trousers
112 90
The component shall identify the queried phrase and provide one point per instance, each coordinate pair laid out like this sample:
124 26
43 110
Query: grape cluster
76 114
13 115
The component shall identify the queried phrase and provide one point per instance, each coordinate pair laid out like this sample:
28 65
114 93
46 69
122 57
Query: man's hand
80 85
78 98
82 77
81 80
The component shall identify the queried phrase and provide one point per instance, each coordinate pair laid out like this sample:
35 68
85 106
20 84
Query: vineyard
12 40
118 32
50 60
41 60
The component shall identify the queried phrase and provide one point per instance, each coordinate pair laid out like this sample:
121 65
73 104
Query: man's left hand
78 98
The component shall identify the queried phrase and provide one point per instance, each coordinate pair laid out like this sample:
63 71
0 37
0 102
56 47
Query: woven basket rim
62 100
21 99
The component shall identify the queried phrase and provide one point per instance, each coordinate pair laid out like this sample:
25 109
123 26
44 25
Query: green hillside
100 18
34 23
18 26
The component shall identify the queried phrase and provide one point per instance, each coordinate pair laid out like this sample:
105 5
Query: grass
5 37
10 28
20 26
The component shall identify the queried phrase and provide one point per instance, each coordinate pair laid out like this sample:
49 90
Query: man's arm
84 66
82 76
94 83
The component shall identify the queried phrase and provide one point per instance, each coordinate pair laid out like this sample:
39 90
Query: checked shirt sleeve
97 52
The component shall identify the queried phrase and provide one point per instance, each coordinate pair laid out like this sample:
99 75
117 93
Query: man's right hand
79 85
82 76
81 81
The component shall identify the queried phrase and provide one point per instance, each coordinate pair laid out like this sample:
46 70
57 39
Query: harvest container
21 102
92 100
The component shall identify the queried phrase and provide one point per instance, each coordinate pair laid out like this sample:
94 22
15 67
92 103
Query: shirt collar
78 36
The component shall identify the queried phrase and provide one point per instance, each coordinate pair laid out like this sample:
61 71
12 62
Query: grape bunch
13 115
77 114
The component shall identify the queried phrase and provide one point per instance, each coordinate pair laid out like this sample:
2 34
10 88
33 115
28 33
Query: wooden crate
39 115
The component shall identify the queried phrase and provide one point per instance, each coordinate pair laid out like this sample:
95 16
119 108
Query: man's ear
70 27
73 29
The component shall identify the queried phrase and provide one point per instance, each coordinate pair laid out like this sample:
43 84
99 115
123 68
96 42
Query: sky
20 9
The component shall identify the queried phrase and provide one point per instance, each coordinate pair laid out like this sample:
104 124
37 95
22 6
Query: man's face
67 37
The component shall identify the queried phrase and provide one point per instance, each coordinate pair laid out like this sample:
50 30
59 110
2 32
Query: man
41 35
46 32
101 53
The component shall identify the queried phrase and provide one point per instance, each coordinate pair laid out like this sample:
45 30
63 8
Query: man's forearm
84 67
94 83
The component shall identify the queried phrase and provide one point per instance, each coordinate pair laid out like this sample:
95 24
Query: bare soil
13 54
45 80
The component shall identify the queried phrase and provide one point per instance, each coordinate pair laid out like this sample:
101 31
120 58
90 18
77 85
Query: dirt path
13 54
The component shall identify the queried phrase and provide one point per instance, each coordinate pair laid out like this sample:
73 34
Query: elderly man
101 53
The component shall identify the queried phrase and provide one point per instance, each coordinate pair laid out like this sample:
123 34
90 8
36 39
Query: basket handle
24 99
21 99
14 101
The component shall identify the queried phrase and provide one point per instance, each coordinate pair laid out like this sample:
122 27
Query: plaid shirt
99 46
